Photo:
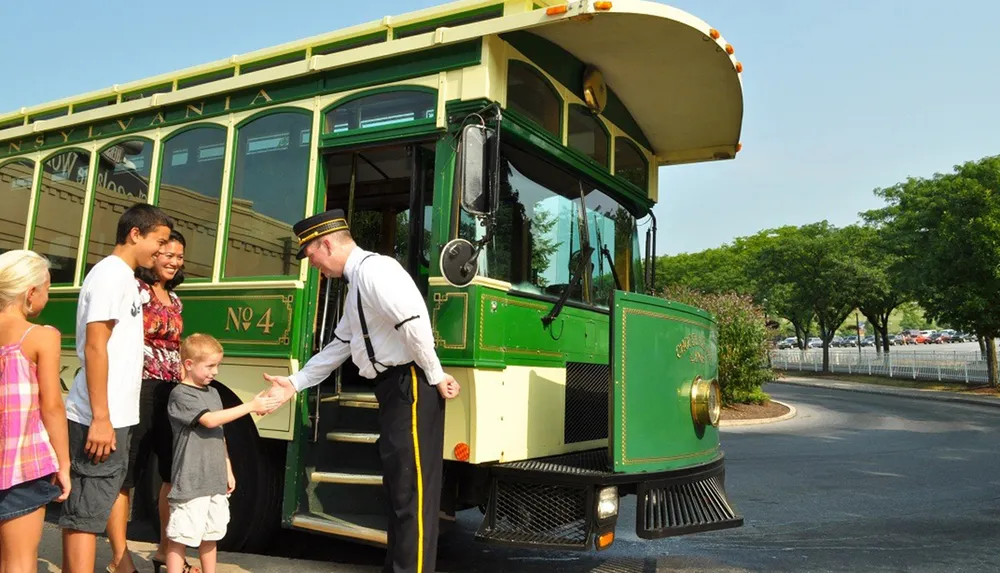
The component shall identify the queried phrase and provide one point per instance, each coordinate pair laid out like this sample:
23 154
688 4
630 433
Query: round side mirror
458 262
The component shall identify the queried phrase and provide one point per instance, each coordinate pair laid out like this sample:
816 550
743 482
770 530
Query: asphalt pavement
856 481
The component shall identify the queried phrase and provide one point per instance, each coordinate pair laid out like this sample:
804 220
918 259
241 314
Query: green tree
912 318
880 289
945 231
811 269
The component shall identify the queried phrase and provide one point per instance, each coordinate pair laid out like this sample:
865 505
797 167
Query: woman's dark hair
147 276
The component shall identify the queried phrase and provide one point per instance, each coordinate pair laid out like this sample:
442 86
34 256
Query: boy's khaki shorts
199 519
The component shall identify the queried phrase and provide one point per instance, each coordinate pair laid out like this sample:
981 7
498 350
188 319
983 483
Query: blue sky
840 98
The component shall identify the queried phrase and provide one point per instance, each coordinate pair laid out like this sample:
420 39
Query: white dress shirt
399 325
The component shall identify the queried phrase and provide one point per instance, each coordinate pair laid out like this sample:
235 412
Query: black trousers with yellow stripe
411 444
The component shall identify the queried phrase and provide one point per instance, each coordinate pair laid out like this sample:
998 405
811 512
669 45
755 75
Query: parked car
815 342
851 341
790 342
868 341
837 342
923 337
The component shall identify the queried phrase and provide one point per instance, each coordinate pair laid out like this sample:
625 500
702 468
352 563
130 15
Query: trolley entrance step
347 478
368 528
353 437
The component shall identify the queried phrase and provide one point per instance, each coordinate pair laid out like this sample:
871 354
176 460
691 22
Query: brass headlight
706 402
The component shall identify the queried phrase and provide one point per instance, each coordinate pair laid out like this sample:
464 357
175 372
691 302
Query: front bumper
552 502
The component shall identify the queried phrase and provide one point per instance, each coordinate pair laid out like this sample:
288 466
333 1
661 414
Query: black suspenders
364 324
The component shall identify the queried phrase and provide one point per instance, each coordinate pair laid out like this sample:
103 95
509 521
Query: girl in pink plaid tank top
34 442
25 451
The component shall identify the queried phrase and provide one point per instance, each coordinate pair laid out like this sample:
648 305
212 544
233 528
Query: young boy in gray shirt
202 474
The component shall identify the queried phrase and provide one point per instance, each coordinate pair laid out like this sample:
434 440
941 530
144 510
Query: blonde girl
34 443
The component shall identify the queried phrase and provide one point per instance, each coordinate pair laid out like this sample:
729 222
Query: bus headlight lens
607 503
706 402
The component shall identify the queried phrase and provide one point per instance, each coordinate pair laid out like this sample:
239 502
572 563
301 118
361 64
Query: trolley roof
678 77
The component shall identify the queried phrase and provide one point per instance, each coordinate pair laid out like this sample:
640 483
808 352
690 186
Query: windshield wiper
585 254
611 263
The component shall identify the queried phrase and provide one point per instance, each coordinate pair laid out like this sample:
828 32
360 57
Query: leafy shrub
743 359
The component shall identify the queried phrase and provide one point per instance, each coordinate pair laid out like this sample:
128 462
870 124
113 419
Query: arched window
122 181
587 135
529 94
60 212
630 163
190 189
381 109
15 195
269 195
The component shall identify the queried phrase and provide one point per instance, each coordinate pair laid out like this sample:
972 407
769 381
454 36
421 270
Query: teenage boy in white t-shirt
103 404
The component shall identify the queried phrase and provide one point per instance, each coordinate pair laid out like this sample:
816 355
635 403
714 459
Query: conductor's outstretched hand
448 387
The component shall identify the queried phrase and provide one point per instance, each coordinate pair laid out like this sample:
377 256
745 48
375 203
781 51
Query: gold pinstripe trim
420 476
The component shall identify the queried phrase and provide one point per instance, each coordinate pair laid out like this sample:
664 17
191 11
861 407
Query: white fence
966 367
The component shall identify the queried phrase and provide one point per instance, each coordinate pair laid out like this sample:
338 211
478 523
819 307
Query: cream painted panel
244 376
508 415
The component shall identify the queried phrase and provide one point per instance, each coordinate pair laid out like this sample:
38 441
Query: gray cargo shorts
95 486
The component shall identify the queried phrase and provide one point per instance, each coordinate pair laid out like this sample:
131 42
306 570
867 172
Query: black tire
255 505
258 464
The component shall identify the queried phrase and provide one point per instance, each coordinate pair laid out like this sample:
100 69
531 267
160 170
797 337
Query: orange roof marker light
556 10
602 5
714 34
739 67
729 49
739 147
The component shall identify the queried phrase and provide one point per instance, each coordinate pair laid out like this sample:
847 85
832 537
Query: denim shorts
26 497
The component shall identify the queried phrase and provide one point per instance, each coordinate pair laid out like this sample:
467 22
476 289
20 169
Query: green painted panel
249 322
257 322
272 62
60 312
351 43
658 349
48 114
206 78
462 18
404 66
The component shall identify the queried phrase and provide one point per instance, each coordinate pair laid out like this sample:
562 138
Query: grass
900 383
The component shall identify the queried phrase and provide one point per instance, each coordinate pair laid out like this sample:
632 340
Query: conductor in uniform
386 331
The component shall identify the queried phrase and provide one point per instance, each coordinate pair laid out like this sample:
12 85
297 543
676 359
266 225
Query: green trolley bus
506 152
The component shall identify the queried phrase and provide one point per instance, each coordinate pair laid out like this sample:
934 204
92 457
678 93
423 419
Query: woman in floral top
161 371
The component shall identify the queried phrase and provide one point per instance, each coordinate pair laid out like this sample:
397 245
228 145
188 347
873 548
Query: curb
758 421
912 393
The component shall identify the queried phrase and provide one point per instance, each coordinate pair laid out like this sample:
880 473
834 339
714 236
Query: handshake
282 391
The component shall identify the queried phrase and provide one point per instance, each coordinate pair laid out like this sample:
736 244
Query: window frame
229 190
553 88
92 193
28 215
155 195
84 216
364 135
600 123
645 161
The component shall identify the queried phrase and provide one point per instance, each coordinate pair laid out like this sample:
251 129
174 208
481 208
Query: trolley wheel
258 464
255 505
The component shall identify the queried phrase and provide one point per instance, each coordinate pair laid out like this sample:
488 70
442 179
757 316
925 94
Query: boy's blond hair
199 346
